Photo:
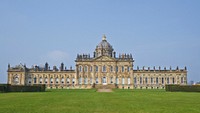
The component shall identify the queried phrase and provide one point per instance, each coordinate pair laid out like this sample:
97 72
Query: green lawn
90 101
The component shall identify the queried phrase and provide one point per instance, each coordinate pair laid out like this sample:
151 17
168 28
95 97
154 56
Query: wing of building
103 68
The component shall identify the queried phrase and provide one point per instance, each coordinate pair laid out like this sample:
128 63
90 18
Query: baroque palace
104 68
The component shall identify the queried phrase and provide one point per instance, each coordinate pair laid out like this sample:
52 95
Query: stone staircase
109 86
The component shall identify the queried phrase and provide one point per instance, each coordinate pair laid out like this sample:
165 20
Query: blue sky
157 32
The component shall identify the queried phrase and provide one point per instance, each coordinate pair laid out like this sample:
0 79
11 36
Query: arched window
85 68
117 80
62 80
46 80
104 69
40 80
73 81
51 80
68 80
57 80
16 79
35 80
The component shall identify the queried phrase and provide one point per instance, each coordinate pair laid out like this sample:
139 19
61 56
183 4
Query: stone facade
104 68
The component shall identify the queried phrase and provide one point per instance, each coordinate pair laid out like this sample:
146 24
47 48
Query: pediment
104 59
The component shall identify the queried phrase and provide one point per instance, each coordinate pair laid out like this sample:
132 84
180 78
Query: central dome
104 44
104 48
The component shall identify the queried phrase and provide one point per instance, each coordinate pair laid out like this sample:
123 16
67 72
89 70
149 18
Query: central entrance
104 81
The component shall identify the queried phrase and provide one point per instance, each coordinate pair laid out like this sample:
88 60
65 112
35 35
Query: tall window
151 80
97 80
135 80
96 68
90 80
40 80
46 80
16 79
51 80
140 80
80 80
62 80
162 80
128 69
117 80
57 80
85 68
122 68
85 81
90 68
35 80
129 80
80 68
156 80
68 80
167 80
116 68
111 80
73 81
173 81
123 80
182 80
146 80
111 68
29 80
104 69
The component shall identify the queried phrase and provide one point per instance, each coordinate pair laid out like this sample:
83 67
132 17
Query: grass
90 101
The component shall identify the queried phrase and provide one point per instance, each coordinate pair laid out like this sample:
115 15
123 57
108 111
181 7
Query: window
40 80
46 80
168 80
16 80
90 68
62 80
146 80
122 68
104 69
129 81
85 81
116 68
68 80
80 68
135 80
140 80
156 80
57 80
97 80
117 80
128 69
173 80
80 80
35 80
182 80
111 68
73 80
91 80
51 80
152 80
111 80
123 80
85 68
29 80
162 80
96 68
